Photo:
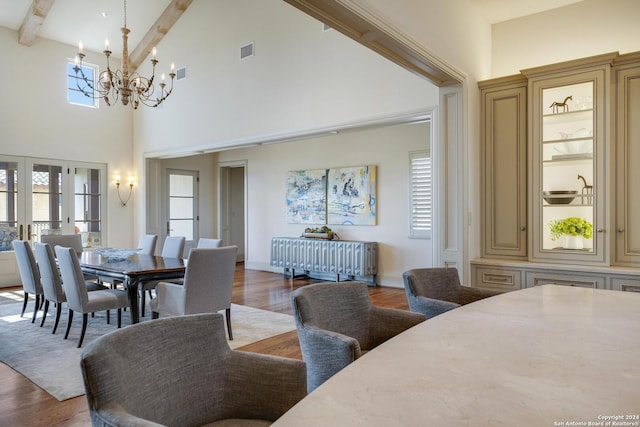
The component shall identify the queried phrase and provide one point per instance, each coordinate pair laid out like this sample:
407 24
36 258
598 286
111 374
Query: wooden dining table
133 271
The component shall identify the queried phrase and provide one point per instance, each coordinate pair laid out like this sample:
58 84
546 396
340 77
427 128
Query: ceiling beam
354 22
157 32
33 20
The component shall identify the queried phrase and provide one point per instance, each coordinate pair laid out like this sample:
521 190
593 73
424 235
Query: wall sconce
123 203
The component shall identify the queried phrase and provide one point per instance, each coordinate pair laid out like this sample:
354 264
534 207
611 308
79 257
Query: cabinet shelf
562 140
557 158
570 116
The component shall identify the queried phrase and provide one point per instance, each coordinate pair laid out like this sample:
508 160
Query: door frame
224 205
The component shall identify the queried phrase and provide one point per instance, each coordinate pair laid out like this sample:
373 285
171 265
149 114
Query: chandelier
130 87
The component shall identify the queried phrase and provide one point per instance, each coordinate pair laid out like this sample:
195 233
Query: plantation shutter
421 195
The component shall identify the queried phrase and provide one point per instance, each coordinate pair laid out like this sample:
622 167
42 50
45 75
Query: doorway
232 204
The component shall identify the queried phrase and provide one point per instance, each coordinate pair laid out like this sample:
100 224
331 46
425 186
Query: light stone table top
544 356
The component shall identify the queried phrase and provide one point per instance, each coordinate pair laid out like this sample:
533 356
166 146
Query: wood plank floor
22 403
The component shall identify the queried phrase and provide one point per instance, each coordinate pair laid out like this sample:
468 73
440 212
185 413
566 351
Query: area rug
53 363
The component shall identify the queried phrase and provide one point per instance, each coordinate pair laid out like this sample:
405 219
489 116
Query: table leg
132 290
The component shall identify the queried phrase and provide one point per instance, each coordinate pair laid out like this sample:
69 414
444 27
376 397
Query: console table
351 259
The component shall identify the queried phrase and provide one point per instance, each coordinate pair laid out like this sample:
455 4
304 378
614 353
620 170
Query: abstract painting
351 195
307 197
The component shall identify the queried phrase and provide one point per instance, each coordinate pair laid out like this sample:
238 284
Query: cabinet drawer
625 284
502 279
535 278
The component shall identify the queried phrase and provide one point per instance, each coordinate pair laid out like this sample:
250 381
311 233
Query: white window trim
96 72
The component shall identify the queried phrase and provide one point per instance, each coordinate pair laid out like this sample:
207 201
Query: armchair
433 291
337 323
192 379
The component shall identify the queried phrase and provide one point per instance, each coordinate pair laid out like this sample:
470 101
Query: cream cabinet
569 147
627 160
581 161
504 172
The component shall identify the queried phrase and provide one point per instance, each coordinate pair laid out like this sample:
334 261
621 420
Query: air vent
181 73
246 51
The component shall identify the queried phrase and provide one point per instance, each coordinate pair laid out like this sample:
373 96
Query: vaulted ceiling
91 22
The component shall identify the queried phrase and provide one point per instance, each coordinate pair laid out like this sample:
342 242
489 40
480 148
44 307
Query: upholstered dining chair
67 240
173 247
193 379
433 291
52 283
147 246
29 276
204 243
337 323
208 282
79 299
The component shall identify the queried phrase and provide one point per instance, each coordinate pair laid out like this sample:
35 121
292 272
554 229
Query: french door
182 219
44 196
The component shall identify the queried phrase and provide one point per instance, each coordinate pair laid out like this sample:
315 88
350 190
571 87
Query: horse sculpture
563 104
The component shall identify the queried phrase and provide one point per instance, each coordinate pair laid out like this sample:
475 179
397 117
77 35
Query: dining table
543 356
132 271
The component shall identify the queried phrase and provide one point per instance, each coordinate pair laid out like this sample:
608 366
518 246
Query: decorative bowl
114 254
559 197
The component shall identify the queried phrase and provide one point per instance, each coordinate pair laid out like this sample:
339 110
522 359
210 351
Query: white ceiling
503 10
71 21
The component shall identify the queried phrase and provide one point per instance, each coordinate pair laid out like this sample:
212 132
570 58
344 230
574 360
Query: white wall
37 121
301 78
586 28
388 148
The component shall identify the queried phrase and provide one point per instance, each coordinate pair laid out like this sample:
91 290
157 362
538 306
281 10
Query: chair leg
58 311
35 309
142 303
24 304
108 317
85 318
228 316
119 318
69 324
155 314
45 311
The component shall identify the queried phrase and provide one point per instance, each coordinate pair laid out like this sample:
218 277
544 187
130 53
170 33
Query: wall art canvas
307 196
351 195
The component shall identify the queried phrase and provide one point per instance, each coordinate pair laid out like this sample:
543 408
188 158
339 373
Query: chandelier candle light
129 86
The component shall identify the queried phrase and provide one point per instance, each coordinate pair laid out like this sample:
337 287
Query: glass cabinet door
568 142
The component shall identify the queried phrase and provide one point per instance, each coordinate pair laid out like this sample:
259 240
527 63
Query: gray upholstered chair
180 371
337 323
79 299
173 247
433 291
204 243
147 244
52 283
208 282
67 240
29 276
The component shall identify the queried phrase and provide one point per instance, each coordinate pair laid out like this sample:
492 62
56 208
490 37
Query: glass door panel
568 169
87 184
182 188
46 200
9 214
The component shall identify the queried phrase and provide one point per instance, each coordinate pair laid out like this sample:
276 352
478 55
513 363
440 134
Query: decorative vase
573 242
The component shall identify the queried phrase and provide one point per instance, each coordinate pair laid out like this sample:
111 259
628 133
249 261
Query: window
421 199
75 95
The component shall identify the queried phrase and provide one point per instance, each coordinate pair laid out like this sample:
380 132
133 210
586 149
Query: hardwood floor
22 403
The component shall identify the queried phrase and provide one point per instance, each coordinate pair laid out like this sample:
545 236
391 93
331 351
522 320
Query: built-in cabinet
580 157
